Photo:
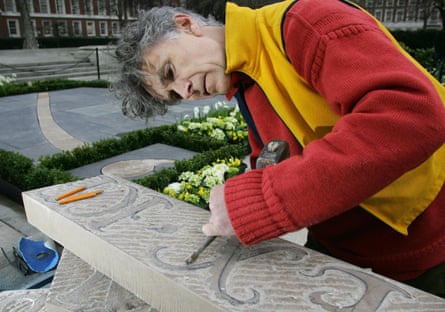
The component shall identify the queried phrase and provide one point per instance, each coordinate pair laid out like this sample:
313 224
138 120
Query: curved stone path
56 135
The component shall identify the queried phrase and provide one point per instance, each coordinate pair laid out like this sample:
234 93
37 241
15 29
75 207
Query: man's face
189 66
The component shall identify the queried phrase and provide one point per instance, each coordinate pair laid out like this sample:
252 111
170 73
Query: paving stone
79 287
31 300
153 157
140 239
13 226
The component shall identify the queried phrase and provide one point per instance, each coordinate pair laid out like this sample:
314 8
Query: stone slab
31 300
140 239
78 286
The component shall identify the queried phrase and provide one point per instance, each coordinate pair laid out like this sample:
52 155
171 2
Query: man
365 124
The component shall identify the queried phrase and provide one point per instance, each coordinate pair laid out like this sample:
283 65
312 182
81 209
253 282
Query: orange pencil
77 190
79 197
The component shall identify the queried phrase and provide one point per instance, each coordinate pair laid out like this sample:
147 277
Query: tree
440 6
30 41
217 8
429 6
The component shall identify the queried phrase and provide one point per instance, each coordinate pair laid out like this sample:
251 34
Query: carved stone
79 287
30 300
140 239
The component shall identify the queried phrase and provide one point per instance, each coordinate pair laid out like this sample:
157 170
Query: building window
10 6
389 3
89 10
369 3
77 28
388 15
411 15
400 2
399 16
434 15
75 7
60 6
115 28
103 28
47 28
101 8
44 6
378 15
61 28
13 28
91 29
412 2
113 7
379 3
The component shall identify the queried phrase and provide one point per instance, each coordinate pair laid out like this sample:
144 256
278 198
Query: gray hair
151 27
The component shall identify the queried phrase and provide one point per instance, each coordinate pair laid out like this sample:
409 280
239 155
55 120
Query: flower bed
194 187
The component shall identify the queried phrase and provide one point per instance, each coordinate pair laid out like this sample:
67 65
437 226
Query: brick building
100 18
404 14
73 18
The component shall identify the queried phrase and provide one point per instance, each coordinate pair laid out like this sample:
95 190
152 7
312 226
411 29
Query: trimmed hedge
49 85
21 172
419 39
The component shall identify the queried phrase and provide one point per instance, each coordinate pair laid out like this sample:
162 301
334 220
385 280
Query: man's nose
184 88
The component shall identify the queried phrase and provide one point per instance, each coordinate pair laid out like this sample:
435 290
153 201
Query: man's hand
219 222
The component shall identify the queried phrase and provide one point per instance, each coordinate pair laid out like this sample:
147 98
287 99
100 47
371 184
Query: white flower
185 175
218 134
228 125
194 125
215 174
220 169
196 112
235 110
195 180
211 181
176 186
212 119
218 105
182 128
6 80
206 109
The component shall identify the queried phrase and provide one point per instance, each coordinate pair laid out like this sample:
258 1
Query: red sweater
392 120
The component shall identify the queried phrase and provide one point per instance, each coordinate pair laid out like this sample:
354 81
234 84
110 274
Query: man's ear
187 24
